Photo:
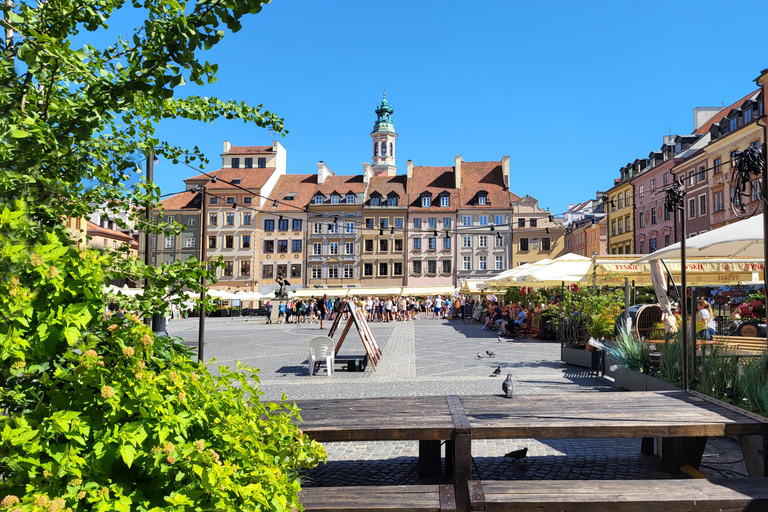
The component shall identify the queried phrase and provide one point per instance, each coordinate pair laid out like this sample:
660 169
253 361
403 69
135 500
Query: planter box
636 381
580 357
235 312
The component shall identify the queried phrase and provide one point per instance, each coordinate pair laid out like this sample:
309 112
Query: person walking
269 312
705 321
322 306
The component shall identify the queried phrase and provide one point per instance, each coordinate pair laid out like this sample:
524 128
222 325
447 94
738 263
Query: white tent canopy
508 277
569 268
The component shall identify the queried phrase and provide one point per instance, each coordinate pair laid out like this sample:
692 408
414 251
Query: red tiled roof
484 177
184 201
96 230
249 150
303 185
433 180
720 115
251 178
343 184
385 185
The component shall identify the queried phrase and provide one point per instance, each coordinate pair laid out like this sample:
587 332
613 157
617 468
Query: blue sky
572 91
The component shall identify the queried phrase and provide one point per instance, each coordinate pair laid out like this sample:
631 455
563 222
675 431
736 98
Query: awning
375 292
319 292
427 290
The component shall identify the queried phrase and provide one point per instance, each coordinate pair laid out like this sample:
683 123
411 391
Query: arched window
383 149
375 149
391 151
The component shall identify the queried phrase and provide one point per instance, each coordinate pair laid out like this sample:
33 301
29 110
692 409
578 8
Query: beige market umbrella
660 287
569 268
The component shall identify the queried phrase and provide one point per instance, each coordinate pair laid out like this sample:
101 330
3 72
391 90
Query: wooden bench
742 343
621 495
385 498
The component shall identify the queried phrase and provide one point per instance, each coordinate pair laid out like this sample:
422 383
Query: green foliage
671 360
582 309
99 414
630 350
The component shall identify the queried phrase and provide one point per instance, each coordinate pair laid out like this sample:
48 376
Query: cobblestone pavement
435 357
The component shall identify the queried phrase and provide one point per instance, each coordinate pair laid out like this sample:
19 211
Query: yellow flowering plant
111 418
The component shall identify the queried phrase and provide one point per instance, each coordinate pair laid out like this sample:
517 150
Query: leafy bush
101 415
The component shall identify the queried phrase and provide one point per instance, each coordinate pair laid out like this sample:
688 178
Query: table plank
636 414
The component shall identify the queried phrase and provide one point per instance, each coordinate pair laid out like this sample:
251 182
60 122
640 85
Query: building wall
383 246
720 181
323 216
621 238
281 251
652 224
530 242
232 222
596 238
444 259
480 248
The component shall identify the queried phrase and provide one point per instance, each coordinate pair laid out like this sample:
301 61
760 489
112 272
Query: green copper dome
384 113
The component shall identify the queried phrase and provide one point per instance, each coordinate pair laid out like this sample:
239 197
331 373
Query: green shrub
101 415
630 350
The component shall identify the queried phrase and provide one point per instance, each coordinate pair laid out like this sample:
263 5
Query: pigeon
730 395
490 354
508 386
496 372
517 454
479 355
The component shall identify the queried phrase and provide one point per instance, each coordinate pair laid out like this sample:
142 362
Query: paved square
434 357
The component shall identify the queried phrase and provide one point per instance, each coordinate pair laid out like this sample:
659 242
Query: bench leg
429 458
751 457
676 452
646 446
462 469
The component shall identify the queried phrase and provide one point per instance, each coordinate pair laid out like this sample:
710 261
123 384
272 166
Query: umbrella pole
684 299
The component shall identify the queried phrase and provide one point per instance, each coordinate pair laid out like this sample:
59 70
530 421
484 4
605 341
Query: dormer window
426 202
318 199
334 199
445 201
376 201
734 123
748 115
350 198
237 181
392 201
482 198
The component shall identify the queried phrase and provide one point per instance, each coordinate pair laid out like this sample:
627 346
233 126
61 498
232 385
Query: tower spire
384 135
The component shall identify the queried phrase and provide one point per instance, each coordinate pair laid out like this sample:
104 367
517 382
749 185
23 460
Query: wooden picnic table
682 419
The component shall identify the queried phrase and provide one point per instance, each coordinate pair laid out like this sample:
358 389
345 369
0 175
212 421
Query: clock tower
383 135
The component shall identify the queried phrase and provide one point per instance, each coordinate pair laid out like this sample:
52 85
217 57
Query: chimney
322 172
367 172
227 146
703 114
457 170
505 171
409 165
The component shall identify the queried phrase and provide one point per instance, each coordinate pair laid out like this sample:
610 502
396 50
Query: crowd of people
377 309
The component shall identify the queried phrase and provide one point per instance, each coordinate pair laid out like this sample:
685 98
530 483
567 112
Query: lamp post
674 202
201 325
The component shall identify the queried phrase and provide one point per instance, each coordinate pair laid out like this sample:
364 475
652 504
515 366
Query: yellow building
536 234
620 208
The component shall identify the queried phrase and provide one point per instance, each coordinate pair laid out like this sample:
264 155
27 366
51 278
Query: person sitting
496 315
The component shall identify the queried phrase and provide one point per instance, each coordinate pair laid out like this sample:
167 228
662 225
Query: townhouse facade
484 217
733 131
596 234
283 226
384 233
185 209
335 219
234 195
620 209
536 234
431 225
654 226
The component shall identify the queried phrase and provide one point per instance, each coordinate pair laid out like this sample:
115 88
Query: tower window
391 151
375 149
383 149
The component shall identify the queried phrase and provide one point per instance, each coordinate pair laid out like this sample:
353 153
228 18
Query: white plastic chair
321 347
